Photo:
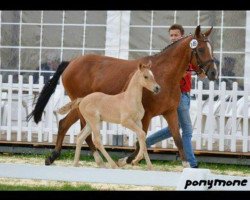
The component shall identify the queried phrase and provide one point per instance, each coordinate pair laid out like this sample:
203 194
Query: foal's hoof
76 164
122 162
134 162
114 166
150 168
185 164
101 165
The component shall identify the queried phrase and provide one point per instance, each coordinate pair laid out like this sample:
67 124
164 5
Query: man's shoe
196 166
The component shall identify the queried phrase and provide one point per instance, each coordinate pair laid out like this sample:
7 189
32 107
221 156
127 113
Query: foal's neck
134 89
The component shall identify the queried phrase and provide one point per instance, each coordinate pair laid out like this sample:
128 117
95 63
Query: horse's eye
201 50
146 77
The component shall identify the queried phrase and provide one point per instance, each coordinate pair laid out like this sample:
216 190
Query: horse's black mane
170 45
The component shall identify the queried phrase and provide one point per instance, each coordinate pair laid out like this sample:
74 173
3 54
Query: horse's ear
207 33
198 31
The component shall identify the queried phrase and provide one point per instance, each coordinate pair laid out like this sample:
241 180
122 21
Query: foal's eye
146 77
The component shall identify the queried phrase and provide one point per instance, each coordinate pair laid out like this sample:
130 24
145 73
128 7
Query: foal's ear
141 66
207 33
198 31
145 66
149 65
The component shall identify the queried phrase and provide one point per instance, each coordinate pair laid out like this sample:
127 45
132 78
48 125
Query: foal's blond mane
128 81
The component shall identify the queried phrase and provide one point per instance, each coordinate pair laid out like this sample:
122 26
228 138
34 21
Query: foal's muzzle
157 89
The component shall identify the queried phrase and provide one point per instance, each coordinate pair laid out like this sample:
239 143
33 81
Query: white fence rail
220 123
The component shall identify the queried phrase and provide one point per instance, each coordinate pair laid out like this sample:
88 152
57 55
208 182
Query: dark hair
177 26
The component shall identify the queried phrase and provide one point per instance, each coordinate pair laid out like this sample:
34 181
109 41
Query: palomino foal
125 108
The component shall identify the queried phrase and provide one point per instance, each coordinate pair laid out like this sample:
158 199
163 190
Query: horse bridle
200 64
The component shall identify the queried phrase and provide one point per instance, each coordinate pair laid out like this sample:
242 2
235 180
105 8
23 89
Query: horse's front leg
172 119
127 160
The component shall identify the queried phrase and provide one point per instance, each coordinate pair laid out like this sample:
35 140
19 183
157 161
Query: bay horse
95 73
124 108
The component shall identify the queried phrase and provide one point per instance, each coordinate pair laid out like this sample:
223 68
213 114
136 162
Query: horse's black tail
47 91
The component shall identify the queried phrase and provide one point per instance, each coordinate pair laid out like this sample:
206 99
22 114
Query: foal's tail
47 91
69 106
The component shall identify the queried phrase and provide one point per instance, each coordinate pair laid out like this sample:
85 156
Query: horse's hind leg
86 131
172 119
64 125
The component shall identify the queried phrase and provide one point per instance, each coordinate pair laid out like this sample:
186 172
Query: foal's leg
98 143
127 160
85 132
172 119
141 137
97 157
148 161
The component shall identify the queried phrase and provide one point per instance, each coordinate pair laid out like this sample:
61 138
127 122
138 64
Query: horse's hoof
122 162
150 168
48 161
185 164
54 155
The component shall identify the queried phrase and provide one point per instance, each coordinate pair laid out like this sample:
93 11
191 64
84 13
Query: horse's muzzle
212 74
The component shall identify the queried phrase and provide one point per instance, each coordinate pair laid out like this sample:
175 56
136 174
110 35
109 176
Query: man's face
175 35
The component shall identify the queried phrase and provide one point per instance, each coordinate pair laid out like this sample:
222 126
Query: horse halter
200 63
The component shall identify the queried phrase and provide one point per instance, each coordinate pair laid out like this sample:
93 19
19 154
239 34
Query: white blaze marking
210 48
210 51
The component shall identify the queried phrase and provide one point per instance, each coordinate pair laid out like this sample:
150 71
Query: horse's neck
134 89
174 60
